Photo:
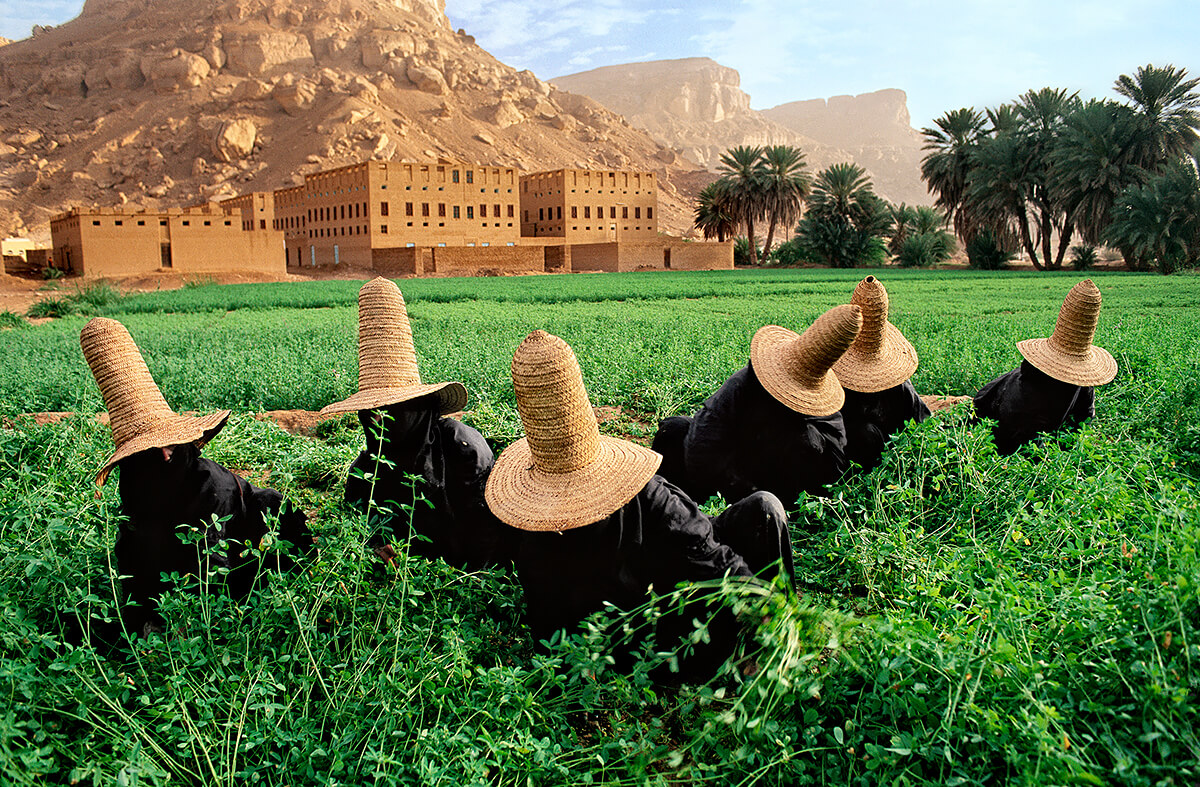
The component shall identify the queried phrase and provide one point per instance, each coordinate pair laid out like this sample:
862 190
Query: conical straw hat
563 474
880 357
387 362
1068 355
796 368
138 415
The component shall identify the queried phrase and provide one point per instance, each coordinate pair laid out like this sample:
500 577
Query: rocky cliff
697 106
171 102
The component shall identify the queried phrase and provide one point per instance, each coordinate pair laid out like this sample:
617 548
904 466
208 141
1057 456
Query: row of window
361 229
547 213
185 222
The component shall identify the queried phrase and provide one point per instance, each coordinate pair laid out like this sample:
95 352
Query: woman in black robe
165 484
875 372
774 425
1052 389
422 475
598 527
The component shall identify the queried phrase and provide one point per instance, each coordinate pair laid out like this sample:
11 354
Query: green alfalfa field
965 618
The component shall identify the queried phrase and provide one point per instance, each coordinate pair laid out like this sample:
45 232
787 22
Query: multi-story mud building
589 206
99 242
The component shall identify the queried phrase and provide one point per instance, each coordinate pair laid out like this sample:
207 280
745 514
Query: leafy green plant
1083 257
741 251
11 320
985 253
50 273
51 307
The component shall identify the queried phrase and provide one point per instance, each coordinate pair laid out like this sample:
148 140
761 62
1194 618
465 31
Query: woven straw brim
892 365
452 397
176 430
821 397
526 498
1097 368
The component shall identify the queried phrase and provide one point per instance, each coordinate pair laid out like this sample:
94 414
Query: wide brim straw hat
138 414
796 369
387 361
563 474
880 357
1068 354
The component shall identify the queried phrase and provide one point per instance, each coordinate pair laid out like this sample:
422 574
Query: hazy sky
944 55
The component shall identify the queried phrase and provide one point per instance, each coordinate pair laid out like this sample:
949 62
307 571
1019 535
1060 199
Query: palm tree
998 191
713 214
1096 157
744 174
845 219
945 168
787 186
1170 107
1043 116
1161 219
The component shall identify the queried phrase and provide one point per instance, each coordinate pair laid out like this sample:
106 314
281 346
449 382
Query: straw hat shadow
563 474
1068 355
139 416
387 361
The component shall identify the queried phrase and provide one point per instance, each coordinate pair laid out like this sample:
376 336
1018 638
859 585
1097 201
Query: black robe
744 440
158 495
1027 402
872 418
659 538
451 462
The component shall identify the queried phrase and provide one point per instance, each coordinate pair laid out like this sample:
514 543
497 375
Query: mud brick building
360 214
100 242
589 206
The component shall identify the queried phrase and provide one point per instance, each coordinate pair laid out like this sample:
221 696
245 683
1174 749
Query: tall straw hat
563 474
880 357
796 368
138 415
1068 355
387 362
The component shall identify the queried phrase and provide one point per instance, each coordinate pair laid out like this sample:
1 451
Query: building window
587 211
408 209
625 212
470 212
540 216
574 212
262 224
383 229
470 176
142 223
482 211
442 210
162 222
228 223
118 223
649 213
186 223
383 208
456 209
425 209
454 176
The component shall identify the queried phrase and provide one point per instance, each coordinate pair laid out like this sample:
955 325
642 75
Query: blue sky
973 53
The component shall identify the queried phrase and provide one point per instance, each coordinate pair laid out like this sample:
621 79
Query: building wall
338 217
590 206
707 256
594 257
506 259
399 261
101 242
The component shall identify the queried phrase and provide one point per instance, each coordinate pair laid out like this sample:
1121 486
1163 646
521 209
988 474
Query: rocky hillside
697 107
171 102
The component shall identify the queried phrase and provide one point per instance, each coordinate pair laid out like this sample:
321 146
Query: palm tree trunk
1027 240
770 236
750 237
1064 242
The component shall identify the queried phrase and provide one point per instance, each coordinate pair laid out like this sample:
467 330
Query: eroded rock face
177 70
256 54
295 96
234 139
427 79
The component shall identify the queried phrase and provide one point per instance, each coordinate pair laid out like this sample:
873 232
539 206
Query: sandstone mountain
172 102
697 106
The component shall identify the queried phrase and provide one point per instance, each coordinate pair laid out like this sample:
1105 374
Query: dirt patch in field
939 403
302 422
633 426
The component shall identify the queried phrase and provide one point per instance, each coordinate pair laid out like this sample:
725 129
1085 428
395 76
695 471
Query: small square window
95 222
383 229
141 223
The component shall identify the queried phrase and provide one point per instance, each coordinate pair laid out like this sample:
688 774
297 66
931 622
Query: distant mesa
696 106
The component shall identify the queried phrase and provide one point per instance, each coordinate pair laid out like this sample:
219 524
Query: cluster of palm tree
757 184
1048 168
